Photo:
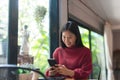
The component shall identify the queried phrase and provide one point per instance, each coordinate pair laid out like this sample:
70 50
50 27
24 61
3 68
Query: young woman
73 58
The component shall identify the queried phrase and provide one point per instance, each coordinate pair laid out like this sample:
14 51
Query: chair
14 72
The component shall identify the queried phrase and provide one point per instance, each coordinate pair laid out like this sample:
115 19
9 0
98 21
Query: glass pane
98 55
33 33
3 30
85 36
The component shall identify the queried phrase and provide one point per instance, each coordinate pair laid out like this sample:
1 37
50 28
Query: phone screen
52 62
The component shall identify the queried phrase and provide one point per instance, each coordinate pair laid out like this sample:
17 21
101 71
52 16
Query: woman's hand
52 71
61 69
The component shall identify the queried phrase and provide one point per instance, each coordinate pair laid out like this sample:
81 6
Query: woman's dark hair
73 28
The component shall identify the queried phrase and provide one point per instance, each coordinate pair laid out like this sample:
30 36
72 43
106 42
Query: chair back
14 72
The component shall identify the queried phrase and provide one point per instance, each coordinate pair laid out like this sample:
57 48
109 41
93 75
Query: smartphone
52 62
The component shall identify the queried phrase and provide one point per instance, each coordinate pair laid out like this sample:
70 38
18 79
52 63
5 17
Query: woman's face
68 38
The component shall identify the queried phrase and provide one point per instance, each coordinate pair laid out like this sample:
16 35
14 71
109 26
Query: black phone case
52 62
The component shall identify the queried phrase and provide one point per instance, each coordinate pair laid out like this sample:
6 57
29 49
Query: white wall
63 12
116 39
80 11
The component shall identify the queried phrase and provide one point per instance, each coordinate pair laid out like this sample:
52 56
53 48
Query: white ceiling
109 10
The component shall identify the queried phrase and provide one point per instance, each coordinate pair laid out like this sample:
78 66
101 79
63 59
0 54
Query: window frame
12 32
54 25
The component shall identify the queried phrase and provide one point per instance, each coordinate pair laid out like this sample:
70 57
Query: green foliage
41 44
85 39
39 14
22 71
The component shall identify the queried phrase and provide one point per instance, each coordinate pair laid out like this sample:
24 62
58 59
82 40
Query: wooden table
69 79
74 79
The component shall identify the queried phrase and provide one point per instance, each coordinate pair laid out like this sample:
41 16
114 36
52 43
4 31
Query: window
34 24
85 36
98 53
32 16
97 49
3 31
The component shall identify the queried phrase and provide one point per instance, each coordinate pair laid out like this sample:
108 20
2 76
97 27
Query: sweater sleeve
55 54
55 57
86 69
47 73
